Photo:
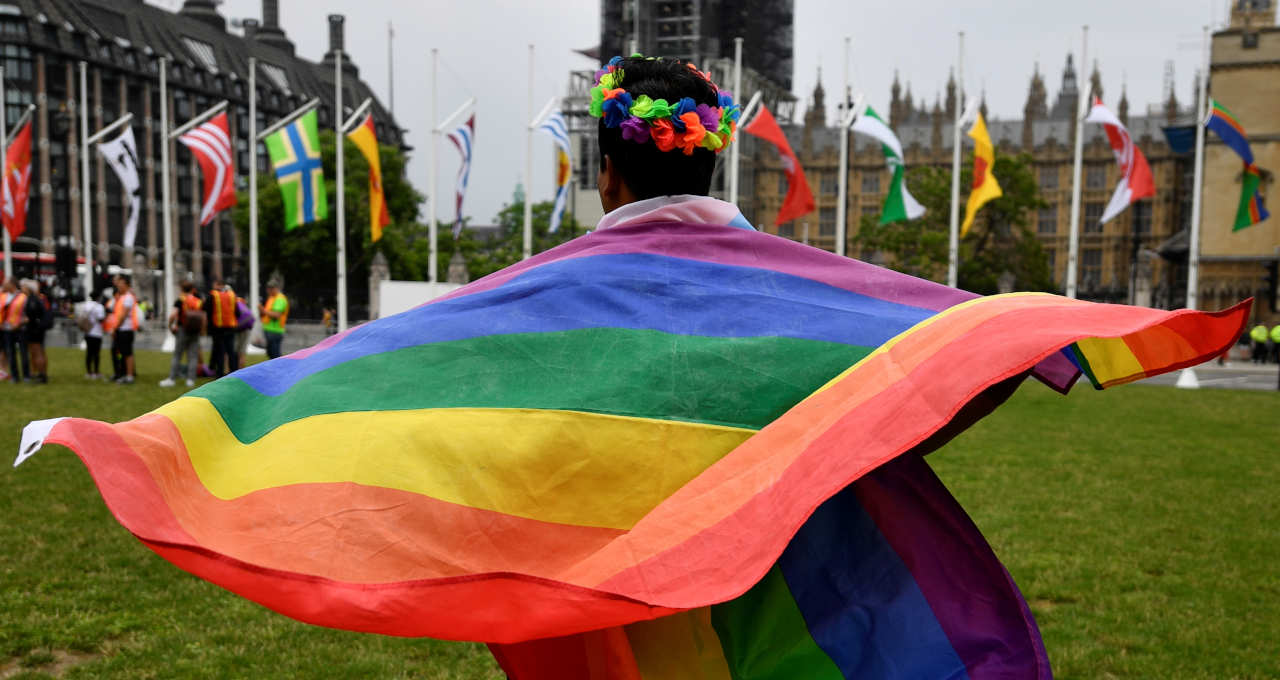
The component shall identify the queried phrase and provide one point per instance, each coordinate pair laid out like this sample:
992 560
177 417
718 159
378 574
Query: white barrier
399 296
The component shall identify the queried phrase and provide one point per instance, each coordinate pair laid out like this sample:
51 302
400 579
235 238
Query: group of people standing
118 315
228 321
1266 344
25 316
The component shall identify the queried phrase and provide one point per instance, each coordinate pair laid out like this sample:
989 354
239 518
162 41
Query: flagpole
842 181
1073 243
339 142
391 74
528 169
164 185
734 150
84 174
432 265
5 197
254 301
953 248
1197 204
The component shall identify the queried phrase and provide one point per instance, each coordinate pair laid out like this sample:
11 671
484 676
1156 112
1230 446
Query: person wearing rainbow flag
675 447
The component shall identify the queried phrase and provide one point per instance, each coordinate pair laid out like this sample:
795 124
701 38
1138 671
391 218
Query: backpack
192 321
244 316
82 320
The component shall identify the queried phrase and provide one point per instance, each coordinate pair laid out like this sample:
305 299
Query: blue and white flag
556 126
462 138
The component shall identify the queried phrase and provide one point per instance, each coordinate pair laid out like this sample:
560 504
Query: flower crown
686 125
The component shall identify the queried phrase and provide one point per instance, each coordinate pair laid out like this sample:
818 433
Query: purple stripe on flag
974 599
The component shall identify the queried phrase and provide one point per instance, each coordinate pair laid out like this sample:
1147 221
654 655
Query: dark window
1096 176
1091 268
827 221
1047 222
782 183
829 182
871 182
1050 255
1092 218
1049 178
871 210
1142 217
13 29
17 62
787 230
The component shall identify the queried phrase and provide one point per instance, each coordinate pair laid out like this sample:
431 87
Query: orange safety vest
191 302
284 316
12 310
117 315
224 308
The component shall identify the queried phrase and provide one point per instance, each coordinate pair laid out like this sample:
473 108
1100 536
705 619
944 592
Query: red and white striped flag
211 143
1135 175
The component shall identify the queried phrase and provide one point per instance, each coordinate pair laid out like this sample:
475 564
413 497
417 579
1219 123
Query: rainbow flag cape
663 450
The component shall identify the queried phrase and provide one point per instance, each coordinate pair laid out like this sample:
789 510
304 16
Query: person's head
218 283
10 285
188 287
122 282
662 122
273 286
30 287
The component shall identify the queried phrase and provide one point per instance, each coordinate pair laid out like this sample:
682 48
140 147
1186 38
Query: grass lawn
1142 523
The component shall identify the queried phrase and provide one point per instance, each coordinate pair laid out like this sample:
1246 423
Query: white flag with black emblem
121 154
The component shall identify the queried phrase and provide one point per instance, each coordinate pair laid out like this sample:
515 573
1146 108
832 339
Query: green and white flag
295 154
900 204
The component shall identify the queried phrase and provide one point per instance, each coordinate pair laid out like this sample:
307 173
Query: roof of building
129 34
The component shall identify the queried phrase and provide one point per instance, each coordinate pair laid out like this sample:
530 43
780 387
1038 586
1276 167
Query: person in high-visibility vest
275 313
12 316
187 322
1275 343
1259 337
220 313
123 324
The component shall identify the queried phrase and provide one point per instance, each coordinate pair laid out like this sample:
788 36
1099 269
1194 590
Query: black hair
648 171
125 277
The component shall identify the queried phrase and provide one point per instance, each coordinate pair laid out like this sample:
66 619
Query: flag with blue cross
295 155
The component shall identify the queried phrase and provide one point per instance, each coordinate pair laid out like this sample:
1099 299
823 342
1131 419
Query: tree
307 256
1000 240
507 247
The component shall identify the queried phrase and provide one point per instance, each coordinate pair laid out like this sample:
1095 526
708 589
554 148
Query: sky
483 53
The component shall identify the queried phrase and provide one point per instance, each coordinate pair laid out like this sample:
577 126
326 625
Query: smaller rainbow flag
1251 210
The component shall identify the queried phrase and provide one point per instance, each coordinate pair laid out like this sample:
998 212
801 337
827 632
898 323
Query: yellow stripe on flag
367 141
507 460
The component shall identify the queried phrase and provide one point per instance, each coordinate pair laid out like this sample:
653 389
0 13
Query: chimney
270 33
250 27
205 11
336 43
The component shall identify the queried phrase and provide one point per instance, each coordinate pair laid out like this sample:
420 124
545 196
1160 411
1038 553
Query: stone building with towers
208 56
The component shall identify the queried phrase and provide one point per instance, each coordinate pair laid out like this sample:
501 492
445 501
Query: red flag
1135 175
17 182
799 200
211 143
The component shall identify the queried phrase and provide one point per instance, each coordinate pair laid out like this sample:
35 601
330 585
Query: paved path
1235 375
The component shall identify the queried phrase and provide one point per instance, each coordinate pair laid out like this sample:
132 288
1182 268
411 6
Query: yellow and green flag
295 155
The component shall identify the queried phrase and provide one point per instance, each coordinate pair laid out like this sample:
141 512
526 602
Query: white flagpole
84 174
432 265
4 180
842 181
341 221
1197 204
528 169
953 248
734 150
1073 247
254 301
166 209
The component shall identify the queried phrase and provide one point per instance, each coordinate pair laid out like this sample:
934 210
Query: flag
985 187
366 140
556 126
295 155
17 182
121 154
1251 210
899 204
462 139
1135 175
799 199
211 143
677 444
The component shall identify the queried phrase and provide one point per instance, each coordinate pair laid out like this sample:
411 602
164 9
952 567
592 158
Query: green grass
1142 523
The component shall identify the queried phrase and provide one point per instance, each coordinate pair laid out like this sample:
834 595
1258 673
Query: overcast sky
483 48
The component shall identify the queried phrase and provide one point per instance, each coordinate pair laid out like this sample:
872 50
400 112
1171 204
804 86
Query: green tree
307 256
999 241
506 248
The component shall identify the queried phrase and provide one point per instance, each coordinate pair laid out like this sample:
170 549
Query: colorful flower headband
686 124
